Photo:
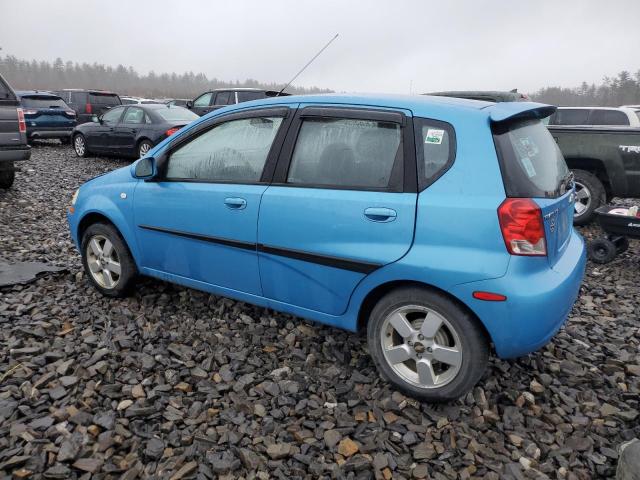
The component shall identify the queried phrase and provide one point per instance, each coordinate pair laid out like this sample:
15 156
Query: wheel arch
370 300
98 217
596 167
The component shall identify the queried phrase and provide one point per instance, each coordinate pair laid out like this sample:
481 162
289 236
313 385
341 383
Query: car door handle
235 203
380 214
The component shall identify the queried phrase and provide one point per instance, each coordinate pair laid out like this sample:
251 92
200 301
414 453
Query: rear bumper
48 132
14 154
538 303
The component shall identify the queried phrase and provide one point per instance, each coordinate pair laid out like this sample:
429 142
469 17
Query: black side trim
329 261
204 238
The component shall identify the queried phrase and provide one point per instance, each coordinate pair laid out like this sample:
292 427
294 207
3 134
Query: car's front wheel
426 344
80 145
107 260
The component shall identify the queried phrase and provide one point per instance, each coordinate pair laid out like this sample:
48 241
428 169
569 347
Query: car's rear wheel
7 176
107 260
144 147
426 344
80 145
590 195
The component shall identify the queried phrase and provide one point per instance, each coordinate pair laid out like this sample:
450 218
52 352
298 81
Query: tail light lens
522 227
70 113
87 108
22 126
171 131
30 112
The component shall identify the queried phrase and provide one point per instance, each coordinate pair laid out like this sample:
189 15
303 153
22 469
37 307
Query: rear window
608 117
570 117
176 114
42 102
248 96
532 164
103 99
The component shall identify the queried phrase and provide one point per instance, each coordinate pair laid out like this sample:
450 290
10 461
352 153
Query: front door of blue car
342 204
198 220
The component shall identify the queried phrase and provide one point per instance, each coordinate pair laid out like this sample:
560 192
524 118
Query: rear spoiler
509 111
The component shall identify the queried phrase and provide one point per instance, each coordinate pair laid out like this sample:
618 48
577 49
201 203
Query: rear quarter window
532 165
435 148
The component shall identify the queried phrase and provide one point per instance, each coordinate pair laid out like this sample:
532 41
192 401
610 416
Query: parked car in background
137 100
605 161
13 134
603 116
358 212
47 116
130 131
485 95
178 102
215 99
88 103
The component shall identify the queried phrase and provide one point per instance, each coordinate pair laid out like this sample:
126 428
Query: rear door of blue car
342 204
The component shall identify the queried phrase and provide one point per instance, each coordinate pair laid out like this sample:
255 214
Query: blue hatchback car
443 226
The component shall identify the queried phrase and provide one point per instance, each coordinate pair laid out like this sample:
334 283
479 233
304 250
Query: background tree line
623 89
44 75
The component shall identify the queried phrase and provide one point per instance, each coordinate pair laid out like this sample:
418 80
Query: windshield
248 96
532 164
176 114
43 101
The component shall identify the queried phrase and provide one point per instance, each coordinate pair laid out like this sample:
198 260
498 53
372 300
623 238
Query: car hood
121 175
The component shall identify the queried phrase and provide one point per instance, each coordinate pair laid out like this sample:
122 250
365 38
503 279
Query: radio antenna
308 63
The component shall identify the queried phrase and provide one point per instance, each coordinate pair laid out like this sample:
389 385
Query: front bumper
538 303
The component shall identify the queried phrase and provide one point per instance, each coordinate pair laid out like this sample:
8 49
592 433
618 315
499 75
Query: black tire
473 340
593 187
602 250
622 245
7 177
142 145
128 269
80 145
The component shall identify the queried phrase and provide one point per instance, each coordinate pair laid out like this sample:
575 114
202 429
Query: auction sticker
434 136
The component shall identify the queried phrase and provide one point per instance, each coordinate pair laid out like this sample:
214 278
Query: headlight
75 197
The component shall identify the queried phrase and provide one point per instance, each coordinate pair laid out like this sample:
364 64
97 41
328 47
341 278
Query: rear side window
532 165
42 102
335 152
224 98
248 96
608 117
235 151
102 99
569 116
435 147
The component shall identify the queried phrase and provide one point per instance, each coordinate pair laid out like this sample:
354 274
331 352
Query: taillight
522 227
87 108
171 131
30 112
70 113
22 126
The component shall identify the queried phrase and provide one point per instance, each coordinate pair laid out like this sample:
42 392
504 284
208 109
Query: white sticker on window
528 166
434 136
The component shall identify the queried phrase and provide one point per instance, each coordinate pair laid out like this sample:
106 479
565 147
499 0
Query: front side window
235 151
435 147
203 100
134 115
347 153
112 116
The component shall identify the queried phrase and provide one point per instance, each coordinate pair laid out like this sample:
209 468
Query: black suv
88 103
215 99
13 134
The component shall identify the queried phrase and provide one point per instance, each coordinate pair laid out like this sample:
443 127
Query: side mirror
145 168
95 119
189 104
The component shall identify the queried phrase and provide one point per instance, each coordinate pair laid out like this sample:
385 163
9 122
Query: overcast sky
384 46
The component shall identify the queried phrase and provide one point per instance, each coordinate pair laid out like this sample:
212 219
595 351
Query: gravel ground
175 383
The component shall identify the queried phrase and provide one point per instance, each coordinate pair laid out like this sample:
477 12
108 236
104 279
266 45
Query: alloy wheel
144 149
103 261
78 144
421 346
583 199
